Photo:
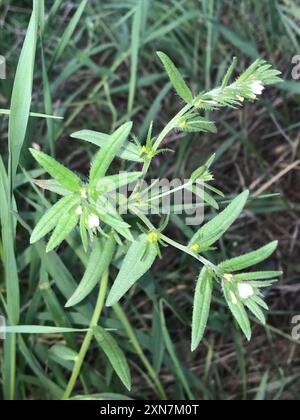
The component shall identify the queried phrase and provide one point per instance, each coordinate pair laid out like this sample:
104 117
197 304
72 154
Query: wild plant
134 243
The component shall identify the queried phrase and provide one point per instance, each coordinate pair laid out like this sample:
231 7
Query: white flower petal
257 87
245 290
93 221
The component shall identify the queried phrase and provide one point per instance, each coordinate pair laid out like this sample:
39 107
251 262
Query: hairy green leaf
250 259
114 354
202 301
177 80
51 185
260 302
139 259
238 310
99 262
259 275
64 176
256 311
64 227
113 182
108 152
52 217
63 353
128 151
215 228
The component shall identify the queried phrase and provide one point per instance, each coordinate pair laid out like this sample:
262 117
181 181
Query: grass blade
22 93
67 35
135 45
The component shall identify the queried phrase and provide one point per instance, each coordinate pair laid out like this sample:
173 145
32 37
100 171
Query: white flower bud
93 221
245 290
257 87
36 146
233 298
79 211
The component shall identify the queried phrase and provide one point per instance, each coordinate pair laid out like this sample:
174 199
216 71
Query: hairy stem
188 251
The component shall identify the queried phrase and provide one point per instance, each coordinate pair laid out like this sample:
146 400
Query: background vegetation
97 67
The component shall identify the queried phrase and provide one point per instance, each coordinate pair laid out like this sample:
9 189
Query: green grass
96 66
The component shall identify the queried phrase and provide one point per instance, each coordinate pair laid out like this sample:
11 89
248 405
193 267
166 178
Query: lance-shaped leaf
113 182
256 311
108 152
260 302
138 260
114 354
250 259
109 215
177 80
117 223
52 217
63 175
51 185
199 191
262 284
212 231
258 275
202 301
99 262
64 227
237 309
63 353
128 151
196 125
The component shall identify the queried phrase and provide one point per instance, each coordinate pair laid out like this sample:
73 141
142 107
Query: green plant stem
139 351
166 194
188 251
177 245
88 338
171 125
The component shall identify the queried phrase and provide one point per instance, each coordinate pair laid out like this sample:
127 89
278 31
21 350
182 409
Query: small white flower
79 211
233 298
93 221
36 146
257 87
240 99
245 290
